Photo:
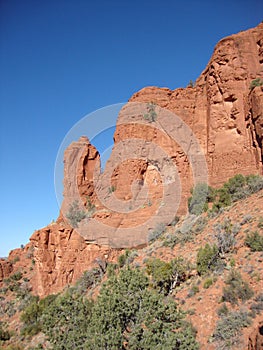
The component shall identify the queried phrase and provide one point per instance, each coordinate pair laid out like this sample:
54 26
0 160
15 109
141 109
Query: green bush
236 188
127 258
256 82
66 321
223 310
208 282
127 314
207 259
254 241
165 276
16 276
223 199
127 311
32 315
90 207
194 290
236 288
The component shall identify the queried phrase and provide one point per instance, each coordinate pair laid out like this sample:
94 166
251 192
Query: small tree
207 259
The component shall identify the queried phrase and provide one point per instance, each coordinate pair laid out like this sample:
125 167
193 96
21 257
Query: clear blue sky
63 59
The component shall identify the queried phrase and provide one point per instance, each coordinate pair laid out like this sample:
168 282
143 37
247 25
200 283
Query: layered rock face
61 256
223 113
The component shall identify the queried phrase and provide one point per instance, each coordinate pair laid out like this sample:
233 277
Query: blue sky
61 60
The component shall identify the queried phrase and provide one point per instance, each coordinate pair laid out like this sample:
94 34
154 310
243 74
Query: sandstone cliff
224 115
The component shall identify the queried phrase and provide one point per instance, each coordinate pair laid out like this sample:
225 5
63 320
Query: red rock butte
224 114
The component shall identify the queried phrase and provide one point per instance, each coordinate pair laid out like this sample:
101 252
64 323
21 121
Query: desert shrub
236 187
30 318
156 233
246 219
165 276
190 227
254 241
174 221
260 222
127 257
207 259
257 306
75 215
133 254
223 199
199 225
7 307
111 269
223 310
15 347
201 195
90 207
16 276
225 233
151 114
208 282
254 183
229 327
4 332
236 288
88 280
256 82
171 240
193 290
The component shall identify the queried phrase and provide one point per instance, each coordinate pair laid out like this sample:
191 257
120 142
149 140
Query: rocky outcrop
61 256
255 341
216 107
81 164
255 119
6 268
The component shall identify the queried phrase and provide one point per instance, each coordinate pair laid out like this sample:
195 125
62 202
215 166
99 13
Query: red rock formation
5 269
255 341
61 256
216 107
224 115
255 118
